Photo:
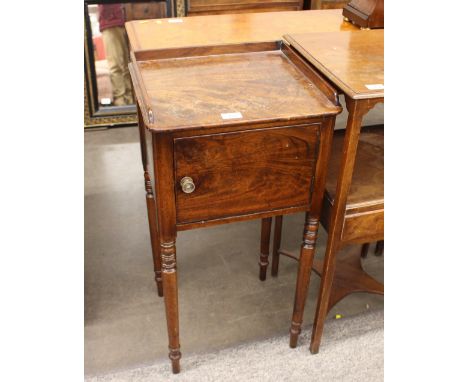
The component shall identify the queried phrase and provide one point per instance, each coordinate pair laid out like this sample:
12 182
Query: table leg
163 160
303 277
311 226
379 248
276 245
353 129
169 277
264 247
150 205
364 250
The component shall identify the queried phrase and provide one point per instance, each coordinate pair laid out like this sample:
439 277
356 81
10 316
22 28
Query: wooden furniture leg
311 226
164 164
276 245
379 248
353 129
151 207
364 250
264 247
169 276
306 258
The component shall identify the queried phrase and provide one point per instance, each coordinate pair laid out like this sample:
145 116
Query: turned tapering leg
264 247
379 248
276 245
364 250
169 278
303 277
151 206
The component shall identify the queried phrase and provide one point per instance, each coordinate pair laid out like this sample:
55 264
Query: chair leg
379 248
364 250
276 245
264 247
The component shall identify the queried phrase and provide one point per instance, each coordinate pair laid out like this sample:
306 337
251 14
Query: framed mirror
108 96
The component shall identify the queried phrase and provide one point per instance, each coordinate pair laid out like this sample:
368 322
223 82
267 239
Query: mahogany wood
164 166
349 277
364 214
273 139
151 207
324 4
365 13
216 7
364 250
379 247
306 256
169 85
264 247
243 172
276 245
199 31
350 61
143 11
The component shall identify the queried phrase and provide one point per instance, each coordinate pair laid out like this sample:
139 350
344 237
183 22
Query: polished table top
188 92
231 28
353 61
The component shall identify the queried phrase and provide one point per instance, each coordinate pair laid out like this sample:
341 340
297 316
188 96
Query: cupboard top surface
217 90
353 61
230 28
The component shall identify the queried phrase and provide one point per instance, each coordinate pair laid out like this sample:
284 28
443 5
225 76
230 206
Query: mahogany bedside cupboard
229 133
198 31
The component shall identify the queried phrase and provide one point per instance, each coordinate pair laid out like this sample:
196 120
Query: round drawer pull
187 184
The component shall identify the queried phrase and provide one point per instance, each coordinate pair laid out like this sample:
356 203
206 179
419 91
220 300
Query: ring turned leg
151 206
276 245
303 277
169 278
264 247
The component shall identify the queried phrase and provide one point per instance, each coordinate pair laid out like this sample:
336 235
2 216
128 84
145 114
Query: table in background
231 28
354 63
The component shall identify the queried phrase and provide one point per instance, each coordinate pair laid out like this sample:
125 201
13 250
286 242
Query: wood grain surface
367 186
244 172
198 91
231 28
351 60
216 7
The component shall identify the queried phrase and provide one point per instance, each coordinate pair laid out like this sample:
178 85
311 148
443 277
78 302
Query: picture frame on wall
100 104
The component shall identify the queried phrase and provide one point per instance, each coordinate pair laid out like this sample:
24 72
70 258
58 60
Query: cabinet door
246 172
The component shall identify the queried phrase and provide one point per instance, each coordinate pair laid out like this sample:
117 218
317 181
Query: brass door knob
187 184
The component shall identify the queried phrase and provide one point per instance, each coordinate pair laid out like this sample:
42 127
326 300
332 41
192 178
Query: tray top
216 90
353 61
230 28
